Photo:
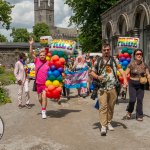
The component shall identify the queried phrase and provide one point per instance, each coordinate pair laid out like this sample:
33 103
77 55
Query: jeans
136 93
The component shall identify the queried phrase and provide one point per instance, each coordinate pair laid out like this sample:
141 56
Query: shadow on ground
115 124
60 113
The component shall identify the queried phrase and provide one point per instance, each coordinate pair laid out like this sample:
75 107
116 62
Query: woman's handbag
34 86
143 80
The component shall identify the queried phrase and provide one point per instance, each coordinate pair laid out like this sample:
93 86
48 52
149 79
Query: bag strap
38 70
101 70
113 61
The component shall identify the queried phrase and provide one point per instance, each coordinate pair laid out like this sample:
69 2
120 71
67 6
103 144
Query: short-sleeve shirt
137 70
42 73
109 80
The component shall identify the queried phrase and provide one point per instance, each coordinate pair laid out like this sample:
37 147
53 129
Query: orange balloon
55 58
59 89
62 60
51 87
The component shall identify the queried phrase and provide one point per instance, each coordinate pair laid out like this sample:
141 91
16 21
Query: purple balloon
128 59
61 69
122 59
53 68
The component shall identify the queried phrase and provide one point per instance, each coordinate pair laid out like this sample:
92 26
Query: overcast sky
23 15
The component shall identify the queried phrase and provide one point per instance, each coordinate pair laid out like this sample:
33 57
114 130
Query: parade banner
76 79
68 46
130 42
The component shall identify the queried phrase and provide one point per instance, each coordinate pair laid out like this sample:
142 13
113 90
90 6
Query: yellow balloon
118 73
48 58
48 82
56 83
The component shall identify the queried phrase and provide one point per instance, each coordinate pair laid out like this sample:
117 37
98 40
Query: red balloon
57 64
121 55
120 78
56 94
49 95
46 50
126 55
49 54
55 58
50 63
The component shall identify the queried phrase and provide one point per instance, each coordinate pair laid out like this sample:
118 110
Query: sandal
127 116
20 106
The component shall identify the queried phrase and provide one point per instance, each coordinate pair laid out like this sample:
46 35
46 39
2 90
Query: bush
4 98
2 70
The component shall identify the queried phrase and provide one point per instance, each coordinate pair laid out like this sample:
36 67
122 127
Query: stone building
44 12
128 18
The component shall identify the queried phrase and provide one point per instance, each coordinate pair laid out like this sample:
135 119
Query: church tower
44 12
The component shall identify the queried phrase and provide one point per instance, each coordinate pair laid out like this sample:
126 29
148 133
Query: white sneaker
44 114
103 131
110 127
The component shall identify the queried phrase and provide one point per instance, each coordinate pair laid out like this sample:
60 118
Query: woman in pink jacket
41 68
20 73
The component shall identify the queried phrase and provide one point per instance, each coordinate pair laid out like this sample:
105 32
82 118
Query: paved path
73 125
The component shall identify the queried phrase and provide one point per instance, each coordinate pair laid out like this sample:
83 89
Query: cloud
23 14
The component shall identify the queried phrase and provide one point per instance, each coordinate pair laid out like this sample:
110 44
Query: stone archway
141 22
109 33
123 25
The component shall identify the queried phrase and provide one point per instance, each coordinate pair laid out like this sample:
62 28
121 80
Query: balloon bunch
124 60
55 74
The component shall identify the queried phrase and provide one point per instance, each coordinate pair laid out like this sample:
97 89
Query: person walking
138 71
20 72
41 69
105 72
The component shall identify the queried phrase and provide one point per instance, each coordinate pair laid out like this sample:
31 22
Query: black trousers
136 93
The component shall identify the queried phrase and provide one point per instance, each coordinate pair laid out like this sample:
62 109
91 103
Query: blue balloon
120 63
56 73
49 73
125 63
53 68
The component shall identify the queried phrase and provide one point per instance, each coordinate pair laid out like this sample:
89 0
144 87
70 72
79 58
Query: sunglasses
138 54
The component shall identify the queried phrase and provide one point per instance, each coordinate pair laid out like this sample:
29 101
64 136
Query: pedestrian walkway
73 125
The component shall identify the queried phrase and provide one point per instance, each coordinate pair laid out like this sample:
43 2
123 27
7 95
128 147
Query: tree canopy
5 13
40 29
3 38
20 35
87 17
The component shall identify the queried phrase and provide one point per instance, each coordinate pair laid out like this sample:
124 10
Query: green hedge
4 96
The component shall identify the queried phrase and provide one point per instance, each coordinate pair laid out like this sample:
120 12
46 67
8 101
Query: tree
40 29
20 35
87 16
3 38
5 13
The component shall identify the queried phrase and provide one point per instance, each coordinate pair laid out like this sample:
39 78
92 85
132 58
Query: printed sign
45 40
67 46
130 42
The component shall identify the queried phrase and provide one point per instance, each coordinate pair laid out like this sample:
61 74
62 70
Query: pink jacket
19 71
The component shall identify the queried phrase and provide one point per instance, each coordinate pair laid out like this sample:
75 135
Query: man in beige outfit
105 73
20 73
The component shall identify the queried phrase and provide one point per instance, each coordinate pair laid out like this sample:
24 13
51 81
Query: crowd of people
98 70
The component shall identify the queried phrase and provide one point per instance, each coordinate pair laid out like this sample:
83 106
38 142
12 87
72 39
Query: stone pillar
136 32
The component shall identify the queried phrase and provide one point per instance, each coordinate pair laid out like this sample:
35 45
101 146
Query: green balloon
59 79
65 56
60 53
124 50
54 53
52 78
130 51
